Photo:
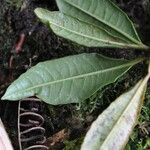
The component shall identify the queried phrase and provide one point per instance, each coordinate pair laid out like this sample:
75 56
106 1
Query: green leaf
113 127
103 14
80 32
68 80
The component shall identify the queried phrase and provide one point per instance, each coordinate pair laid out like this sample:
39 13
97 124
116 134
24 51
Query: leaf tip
38 11
41 14
4 97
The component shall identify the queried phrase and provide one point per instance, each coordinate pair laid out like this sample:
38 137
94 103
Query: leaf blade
112 128
68 80
80 32
101 13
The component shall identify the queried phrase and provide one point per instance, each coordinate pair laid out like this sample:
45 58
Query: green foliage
93 23
79 31
73 145
103 14
68 80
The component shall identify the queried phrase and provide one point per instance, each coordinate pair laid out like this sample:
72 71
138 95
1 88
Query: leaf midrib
81 76
104 22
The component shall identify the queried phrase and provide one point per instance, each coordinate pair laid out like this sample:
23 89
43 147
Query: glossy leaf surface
68 80
112 128
79 31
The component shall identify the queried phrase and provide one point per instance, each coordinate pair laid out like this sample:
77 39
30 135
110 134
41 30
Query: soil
40 44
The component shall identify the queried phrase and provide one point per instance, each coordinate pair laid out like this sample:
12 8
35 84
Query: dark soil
42 44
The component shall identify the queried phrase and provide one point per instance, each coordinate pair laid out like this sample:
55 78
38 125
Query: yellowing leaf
113 127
